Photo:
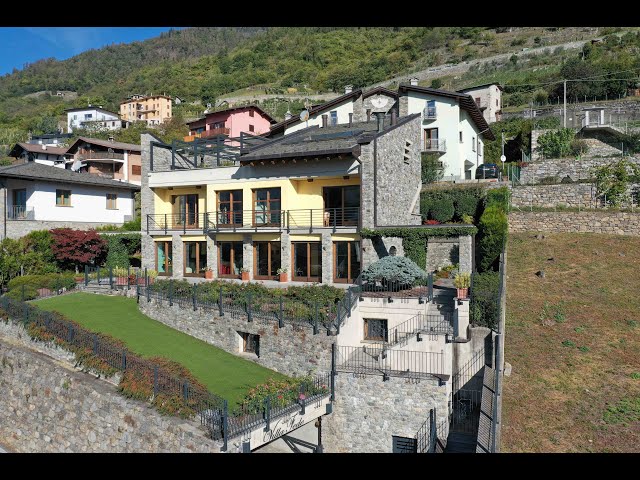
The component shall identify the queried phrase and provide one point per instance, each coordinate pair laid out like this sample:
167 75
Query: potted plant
462 282
208 273
244 272
282 274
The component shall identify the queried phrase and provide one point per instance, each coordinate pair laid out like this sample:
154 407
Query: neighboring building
93 118
153 109
43 154
106 158
453 127
488 98
296 202
177 100
51 139
249 119
37 197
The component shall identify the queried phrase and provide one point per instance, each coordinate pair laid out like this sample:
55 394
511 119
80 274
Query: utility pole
565 105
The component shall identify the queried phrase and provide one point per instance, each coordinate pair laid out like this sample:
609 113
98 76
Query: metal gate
465 415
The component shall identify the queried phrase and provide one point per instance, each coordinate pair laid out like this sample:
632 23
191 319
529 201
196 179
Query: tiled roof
35 148
106 143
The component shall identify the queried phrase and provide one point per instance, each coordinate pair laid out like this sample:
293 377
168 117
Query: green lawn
223 373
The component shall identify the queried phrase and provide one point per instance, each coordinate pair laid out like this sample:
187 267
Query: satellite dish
304 115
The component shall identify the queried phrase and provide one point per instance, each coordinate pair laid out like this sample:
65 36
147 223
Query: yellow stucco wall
162 198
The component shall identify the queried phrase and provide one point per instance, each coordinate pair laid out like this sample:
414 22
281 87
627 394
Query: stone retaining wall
562 167
616 223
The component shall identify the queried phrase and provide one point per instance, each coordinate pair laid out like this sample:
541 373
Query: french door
346 261
195 259
266 207
164 257
342 204
185 211
229 259
266 260
307 262
229 208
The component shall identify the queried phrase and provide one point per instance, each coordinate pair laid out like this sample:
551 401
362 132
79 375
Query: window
250 343
266 207
19 209
430 109
333 117
307 261
497 103
75 117
88 116
267 260
431 142
346 261
63 198
375 329
473 143
195 259
229 212
164 256
136 170
112 201
460 136
251 128
479 148
229 259
251 113
477 99
185 211
341 205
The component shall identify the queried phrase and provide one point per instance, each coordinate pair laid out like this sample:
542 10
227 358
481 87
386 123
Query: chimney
413 81
348 89
287 115
394 119
350 119
324 120
380 119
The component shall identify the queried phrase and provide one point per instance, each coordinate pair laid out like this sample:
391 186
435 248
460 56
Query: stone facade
448 251
581 195
562 167
289 350
20 228
47 406
368 411
376 248
616 223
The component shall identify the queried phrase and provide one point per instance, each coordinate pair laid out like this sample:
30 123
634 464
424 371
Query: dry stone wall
616 223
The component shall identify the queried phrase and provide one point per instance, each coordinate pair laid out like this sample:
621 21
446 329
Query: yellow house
153 109
296 203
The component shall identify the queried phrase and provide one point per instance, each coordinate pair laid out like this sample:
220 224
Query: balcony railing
429 113
214 132
257 219
434 145
100 156
20 212
176 221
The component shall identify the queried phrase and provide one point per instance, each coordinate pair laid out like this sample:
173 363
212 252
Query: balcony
214 132
20 212
176 221
100 156
429 113
434 145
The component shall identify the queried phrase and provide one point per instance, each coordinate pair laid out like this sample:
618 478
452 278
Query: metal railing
429 113
214 132
242 219
20 212
100 156
327 217
374 359
426 436
434 145
176 221
420 323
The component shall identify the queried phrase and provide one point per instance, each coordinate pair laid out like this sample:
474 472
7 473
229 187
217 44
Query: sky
20 45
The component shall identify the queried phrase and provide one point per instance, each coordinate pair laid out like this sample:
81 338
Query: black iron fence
426 436
213 411
420 323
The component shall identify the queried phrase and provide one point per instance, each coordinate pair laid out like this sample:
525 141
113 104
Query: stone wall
368 411
289 350
48 406
562 167
20 228
581 195
375 248
616 223
441 252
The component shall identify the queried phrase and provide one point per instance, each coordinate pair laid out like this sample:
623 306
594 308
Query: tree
556 143
432 171
436 83
613 180
74 248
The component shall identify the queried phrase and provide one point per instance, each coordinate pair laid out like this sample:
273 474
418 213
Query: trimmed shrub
442 210
401 270
30 292
498 196
117 254
483 309
492 228
52 281
465 205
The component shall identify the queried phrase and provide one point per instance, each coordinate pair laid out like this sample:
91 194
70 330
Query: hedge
441 210
484 300
493 227
466 200
52 281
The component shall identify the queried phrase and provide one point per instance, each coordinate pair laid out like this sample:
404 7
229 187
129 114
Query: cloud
72 40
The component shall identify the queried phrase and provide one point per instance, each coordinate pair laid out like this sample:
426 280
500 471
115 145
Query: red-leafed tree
74 248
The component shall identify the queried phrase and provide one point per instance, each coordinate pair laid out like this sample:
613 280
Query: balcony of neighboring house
20 212
429 112
100 156
434 145
215 132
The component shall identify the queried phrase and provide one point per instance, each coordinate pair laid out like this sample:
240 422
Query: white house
488 97
43 154
50 139
452 127
37 197
93 117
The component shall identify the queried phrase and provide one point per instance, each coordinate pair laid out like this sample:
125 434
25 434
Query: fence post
315 317
333 371
86 275
338 319
111 278
349 302
155 380
170 293
225 426
124 359
302 398
249 308
95 344
70 337
195 298
98 276
432 430
146 277
220 302
328 325
128 274
185 391
23 292
148 293
430 286
360 287
267 414
137 289
281 317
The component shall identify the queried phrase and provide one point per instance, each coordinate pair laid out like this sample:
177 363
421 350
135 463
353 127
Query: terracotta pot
245 276
463 292
283 277
208 274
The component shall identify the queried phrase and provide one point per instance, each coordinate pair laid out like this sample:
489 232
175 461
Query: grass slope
573 338
223 373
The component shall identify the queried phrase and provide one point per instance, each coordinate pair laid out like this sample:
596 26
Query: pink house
247 118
